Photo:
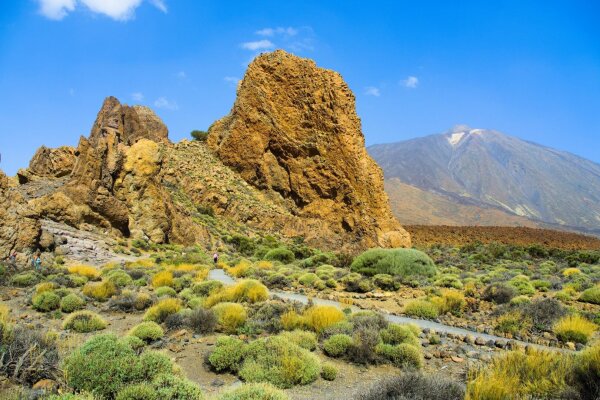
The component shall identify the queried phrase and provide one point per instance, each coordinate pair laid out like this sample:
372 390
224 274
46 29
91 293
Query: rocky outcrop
19 226
293 133
115 184
53 163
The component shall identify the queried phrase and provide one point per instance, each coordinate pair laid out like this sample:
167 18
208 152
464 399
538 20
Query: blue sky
529 69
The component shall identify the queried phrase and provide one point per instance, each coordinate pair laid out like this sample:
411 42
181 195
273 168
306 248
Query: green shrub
206 288
25 279
421 309
280 254
100 291
408 264
140 391
329 372
499 293
522 285
161 310
449 281
279 362
384 281
46 301
230 316
355 282
154 363
337 345
103 365
147 331
520 300
574 328
586 372
591 295
228 354
255 391
119 277
401 355
84 321
199 135
165 291
513 322
308 279
163 387
541 285
71 302
450 301
397 334
533 374
305 339
171 387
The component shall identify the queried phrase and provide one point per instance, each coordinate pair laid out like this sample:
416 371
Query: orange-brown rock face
293 132
115 183
19 226
55 163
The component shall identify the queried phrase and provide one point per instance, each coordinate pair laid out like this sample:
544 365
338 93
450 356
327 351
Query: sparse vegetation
84 321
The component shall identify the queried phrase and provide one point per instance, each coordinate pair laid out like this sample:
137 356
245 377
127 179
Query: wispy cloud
160 4
56 9
289 31
72 92
137 96
119 10
372 91
296 39
163 102
232 80
181 75
258 45
411 82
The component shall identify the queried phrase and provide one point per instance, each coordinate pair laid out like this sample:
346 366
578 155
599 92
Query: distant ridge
471 176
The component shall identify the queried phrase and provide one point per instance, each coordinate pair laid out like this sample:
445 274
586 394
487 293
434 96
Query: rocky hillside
273 167
492 173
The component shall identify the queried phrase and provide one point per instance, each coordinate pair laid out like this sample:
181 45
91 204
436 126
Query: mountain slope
486 168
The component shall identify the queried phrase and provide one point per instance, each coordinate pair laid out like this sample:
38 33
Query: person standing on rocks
37 261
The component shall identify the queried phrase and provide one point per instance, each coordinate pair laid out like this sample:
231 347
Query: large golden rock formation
294 133
115 182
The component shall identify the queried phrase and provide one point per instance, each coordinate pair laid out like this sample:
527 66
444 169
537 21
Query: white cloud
232 80
372 91
160 4
258 45
120 10
163 102
137 96
181 75
410 82
56 9
289 31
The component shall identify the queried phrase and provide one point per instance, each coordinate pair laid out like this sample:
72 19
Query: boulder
54 163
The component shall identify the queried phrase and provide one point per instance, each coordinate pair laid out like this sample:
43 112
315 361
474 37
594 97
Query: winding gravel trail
221 275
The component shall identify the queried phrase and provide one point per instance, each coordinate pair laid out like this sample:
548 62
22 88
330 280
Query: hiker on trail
12 260
216 258
37 261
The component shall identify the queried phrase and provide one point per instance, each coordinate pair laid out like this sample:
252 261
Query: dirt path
490 340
